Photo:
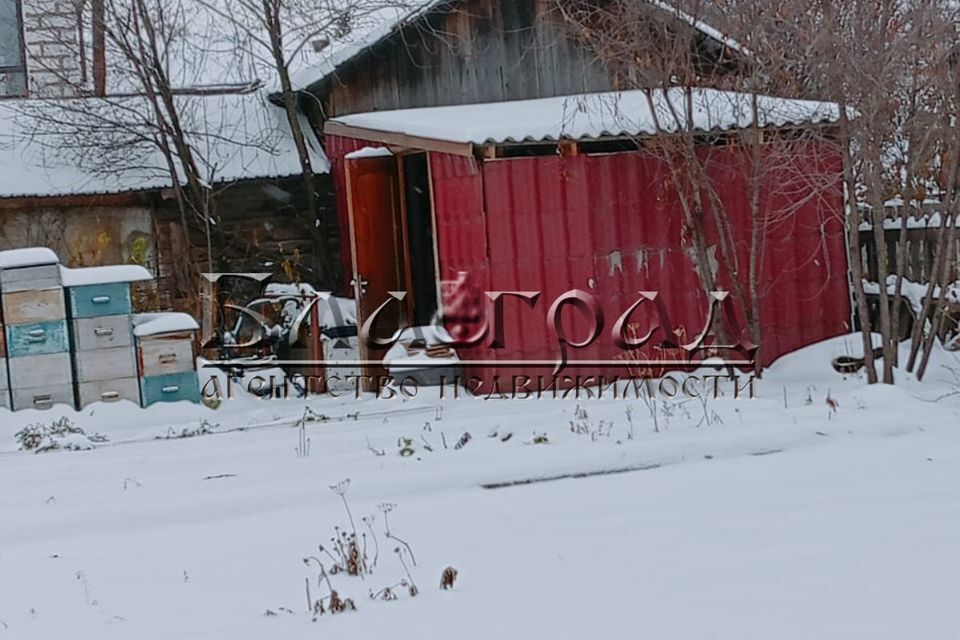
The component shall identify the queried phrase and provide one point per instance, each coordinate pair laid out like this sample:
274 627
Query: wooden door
376 241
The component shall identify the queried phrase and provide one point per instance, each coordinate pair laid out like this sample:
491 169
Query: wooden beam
568 148
398 139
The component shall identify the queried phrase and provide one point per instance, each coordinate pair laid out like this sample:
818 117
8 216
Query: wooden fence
920 249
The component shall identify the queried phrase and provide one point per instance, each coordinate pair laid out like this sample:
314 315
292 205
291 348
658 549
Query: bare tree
152 127
276 35
891 67
884 62
670 59
943 172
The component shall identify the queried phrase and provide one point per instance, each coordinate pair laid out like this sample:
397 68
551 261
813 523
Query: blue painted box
173 387
91 301
37 338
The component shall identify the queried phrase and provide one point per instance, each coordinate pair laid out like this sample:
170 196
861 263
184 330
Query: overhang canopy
456 129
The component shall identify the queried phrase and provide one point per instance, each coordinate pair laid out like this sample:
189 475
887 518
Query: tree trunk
872 176
855 256
327 252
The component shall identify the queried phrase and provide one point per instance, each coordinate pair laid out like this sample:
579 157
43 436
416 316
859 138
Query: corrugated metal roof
589 116
234 137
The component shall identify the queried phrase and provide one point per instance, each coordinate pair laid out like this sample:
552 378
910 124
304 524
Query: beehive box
100 313
166 358
37 349
4 376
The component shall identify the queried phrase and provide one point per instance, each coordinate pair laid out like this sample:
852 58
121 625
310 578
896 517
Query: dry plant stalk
447 578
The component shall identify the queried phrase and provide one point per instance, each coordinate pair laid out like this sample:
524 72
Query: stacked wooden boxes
35 327
70 336
101 329
166 357
4 378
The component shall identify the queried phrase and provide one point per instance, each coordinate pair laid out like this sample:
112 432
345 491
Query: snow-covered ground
781 516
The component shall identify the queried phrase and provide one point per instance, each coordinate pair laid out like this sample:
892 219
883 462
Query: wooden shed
507 152
554 194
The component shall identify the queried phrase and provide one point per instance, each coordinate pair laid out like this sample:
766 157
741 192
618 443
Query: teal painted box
91 301
173 387
37 339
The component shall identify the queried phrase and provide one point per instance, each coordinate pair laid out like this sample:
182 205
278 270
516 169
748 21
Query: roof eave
398 139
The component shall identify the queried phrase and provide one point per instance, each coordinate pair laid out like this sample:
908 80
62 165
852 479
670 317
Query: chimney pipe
99 46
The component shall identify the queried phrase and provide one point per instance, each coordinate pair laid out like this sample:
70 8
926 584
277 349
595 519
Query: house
38 48
508 153
104 196
91 214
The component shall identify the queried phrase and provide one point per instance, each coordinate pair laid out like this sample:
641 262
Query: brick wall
52 43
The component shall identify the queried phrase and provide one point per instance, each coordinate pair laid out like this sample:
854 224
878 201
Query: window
13 75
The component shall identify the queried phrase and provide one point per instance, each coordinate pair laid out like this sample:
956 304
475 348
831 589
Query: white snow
913 292
626 113
398 362
931 221
28 257
379 25
432 334
403 354
345 314
780 517
898 201
346 308
701 26
290 289
152 324
234 137
102 275
369 152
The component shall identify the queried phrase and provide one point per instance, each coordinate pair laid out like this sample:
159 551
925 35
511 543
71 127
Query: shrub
61 434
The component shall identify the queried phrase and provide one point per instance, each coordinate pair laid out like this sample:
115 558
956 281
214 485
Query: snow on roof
50 148
701 26
29 257
369 152
153 324
379 26
595 115
103 275
386 22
